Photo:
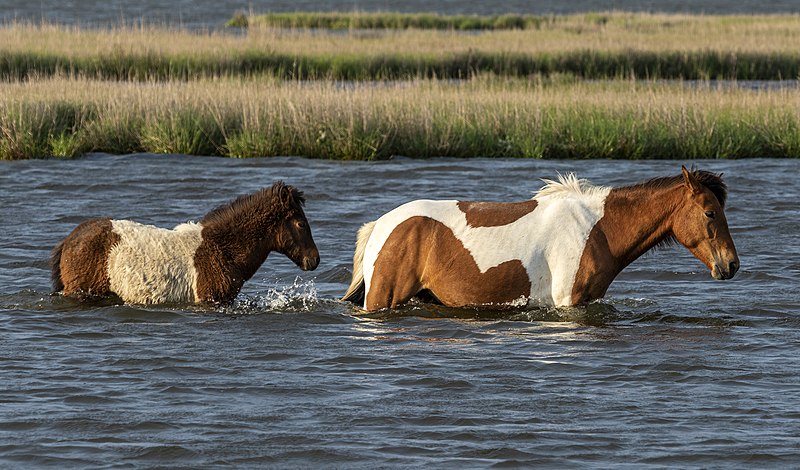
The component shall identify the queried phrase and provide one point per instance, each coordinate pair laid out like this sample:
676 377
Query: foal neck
245 234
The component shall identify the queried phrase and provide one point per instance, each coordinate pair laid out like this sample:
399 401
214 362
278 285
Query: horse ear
286 196
690 181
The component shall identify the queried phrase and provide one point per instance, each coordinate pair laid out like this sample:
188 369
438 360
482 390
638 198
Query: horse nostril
310 264
733 267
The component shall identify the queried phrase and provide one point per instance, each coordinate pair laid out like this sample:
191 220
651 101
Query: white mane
568 185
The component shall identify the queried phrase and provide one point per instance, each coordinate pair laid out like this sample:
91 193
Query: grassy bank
582 64
698 65
486 117
622 45
389 20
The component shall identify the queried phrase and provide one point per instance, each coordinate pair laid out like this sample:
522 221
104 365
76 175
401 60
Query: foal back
139 263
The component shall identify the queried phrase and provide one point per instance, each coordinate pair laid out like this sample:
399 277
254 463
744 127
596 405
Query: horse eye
710 214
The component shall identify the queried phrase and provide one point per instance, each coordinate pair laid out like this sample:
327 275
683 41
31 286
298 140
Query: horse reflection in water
564 247
204 262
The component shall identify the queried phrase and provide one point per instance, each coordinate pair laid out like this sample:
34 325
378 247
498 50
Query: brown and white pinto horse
207 261
563 247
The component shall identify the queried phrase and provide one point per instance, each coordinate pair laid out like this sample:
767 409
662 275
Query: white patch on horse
152 265
549 241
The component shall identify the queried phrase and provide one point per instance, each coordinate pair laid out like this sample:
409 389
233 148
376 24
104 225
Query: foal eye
710 214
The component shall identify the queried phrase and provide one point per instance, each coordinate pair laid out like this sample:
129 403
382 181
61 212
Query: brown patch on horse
225 259
81 260
495 214
424 254
597 269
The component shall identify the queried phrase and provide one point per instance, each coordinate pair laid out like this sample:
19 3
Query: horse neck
246 239
636 219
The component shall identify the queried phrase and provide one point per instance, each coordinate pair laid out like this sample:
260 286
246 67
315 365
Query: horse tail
355 293
55 266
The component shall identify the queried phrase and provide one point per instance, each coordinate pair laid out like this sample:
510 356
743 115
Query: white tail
355 293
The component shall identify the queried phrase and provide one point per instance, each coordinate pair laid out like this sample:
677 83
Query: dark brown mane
712 181
278 198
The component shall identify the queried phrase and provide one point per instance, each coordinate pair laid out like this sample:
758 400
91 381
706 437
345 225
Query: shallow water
671 369
205 14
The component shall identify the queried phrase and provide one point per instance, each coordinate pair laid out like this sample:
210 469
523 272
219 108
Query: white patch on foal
549 241
152 265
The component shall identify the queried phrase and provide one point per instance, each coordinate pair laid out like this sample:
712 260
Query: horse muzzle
309 263
721 272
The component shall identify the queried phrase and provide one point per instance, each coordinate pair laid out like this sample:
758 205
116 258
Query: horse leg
399 266
392 290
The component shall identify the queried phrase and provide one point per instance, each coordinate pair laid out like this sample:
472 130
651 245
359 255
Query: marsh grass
388 20
599 46
695 65
484 117
31 129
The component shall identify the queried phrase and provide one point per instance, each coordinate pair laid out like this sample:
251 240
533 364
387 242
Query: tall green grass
480 118
700 65
389 20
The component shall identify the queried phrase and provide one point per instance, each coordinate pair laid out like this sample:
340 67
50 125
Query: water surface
671 369
212 14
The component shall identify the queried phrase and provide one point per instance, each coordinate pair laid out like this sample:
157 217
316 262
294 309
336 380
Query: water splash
300 296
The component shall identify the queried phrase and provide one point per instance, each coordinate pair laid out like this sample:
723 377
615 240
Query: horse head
700 224
293 235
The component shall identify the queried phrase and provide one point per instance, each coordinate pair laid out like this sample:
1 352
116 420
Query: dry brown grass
598 32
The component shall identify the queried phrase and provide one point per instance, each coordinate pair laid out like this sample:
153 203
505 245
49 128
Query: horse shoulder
216 281
596 270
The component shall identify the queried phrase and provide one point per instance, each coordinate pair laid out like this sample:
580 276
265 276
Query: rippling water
671 369
205 14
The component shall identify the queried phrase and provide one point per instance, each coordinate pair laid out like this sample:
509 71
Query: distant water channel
211 14
672 369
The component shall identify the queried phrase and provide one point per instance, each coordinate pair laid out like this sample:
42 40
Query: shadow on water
302 297
32 300
710 321
595 314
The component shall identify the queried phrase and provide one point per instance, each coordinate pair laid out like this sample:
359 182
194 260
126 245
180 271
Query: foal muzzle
310 263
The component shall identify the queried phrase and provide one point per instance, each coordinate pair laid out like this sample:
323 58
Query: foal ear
286 196
690 181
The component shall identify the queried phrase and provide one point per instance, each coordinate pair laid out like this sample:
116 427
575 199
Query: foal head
293 234
700 224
